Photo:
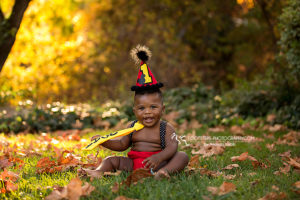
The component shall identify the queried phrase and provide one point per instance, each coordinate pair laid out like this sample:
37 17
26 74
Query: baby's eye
153 107
141 108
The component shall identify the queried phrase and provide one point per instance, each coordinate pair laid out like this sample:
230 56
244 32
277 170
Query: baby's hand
94 137
152 162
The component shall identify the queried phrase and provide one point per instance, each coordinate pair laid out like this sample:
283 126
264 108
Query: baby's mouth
148 119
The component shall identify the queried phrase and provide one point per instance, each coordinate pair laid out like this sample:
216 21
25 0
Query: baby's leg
177 163
109 164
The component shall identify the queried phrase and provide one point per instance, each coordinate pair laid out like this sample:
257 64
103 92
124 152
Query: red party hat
145 79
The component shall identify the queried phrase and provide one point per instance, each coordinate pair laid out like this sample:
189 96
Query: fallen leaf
231 166
225 188
136 176
274 187
115 188
294 163
255 182
271 147
216 129
252 173
123 198
87 189
229 176
274 196
241 157
286 154
209 149
271 118
74 189
194 161
237 130
117 173
285 169
4 163
297 186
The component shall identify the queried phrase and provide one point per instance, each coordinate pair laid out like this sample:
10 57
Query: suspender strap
131 125
162 131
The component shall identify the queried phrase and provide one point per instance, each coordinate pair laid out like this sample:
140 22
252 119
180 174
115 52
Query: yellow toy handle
95 142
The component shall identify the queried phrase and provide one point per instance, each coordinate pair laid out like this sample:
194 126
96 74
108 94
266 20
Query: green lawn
181 186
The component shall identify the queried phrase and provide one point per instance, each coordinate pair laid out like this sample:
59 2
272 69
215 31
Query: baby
155 146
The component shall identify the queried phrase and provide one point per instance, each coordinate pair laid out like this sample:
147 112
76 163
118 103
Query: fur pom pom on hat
145 80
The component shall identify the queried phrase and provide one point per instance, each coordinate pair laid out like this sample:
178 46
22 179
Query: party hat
145 80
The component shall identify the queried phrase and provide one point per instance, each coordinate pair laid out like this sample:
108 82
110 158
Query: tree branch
267 17
17 13
14 22
1 15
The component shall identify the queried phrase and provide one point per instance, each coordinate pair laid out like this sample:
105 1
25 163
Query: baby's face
148 109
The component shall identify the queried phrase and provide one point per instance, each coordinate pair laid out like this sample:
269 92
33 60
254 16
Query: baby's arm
167 153
118 144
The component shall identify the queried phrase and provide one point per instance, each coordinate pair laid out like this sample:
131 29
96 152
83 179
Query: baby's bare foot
161 174
89 173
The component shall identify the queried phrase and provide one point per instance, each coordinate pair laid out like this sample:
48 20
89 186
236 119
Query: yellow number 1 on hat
144 69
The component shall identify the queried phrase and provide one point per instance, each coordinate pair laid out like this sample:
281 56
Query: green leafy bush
290 35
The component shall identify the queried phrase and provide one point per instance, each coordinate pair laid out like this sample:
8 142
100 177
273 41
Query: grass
181 186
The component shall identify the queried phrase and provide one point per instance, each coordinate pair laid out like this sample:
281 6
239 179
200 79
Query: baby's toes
161 174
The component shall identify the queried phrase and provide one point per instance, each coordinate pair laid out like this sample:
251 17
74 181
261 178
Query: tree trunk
11 26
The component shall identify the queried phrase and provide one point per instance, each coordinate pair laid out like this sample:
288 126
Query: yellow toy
95 142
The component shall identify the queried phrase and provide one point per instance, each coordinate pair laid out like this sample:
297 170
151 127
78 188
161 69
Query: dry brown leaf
274 196
123 198
277 127
286 154
241 157
274 187
271 118
74 189
271 147
285 169
87 189
294 163
252 173
216 129
137 175
9 176
237 130
194 124
269 136
115 188
297 187
225 188
194 161
297 184
205 197
253 183
45 162
4 163
231 166
229 176
209 149
117 173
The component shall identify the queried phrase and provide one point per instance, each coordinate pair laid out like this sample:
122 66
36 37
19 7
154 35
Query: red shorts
139 156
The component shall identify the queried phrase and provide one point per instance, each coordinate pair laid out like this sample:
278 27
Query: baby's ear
163 108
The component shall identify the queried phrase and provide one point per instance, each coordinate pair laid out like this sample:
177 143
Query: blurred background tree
78 50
